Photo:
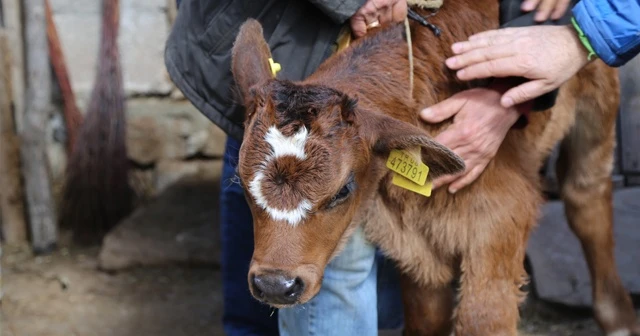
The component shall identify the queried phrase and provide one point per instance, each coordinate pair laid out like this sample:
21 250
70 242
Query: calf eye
344 192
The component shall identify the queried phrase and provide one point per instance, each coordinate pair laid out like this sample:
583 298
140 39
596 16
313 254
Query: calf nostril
256 283
296 288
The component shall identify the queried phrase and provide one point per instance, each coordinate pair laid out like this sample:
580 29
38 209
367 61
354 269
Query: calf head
307 162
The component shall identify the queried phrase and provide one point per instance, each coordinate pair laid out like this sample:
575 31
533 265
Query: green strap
583 39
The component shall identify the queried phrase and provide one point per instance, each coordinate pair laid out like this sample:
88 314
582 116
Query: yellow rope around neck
344 39
409 55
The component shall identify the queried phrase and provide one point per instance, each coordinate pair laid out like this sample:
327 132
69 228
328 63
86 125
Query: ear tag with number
408 165
410 172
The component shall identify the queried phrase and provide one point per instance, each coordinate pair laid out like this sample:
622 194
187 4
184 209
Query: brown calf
313 166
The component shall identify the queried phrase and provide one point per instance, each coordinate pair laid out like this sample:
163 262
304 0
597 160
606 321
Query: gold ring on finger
373 24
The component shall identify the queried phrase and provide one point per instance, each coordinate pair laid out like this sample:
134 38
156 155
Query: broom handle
72 114
110 27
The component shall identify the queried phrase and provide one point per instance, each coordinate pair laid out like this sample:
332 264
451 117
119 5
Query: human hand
377 12
547 55
479 127
546 8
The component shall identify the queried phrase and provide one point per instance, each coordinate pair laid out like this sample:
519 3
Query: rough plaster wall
144 27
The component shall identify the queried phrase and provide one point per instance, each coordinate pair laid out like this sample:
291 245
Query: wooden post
14 225
12 11
42 216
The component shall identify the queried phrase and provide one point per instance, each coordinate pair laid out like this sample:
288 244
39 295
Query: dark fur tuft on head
302 104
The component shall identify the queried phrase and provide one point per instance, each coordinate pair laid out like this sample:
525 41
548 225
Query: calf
313 165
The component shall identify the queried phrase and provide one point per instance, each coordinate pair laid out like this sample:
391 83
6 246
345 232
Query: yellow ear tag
405 183
409 165
410 172
275 67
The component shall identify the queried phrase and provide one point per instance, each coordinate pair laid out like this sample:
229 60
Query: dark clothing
198 51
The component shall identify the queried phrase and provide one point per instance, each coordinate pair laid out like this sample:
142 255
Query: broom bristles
97 192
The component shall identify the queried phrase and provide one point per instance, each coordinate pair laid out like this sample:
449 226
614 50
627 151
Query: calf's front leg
428 309
490 290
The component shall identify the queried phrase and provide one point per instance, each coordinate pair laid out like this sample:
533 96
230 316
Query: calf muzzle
277 288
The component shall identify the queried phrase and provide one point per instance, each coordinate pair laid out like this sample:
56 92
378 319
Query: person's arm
612 28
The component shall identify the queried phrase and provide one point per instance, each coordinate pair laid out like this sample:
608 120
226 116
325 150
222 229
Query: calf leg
490 291
584 172
428 310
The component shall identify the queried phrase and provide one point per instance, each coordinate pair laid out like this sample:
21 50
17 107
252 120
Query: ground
65 294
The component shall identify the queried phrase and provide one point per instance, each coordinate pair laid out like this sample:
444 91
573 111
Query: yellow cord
410 54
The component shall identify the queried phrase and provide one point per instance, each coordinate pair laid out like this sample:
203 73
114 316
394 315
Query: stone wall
167 138
170 140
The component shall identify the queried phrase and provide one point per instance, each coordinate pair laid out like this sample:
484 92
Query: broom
97 193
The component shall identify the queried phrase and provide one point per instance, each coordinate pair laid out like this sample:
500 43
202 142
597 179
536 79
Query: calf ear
385 134
250 58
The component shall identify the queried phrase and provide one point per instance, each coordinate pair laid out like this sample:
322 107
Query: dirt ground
65 294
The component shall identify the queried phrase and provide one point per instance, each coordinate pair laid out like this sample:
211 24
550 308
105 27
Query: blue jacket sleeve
612 27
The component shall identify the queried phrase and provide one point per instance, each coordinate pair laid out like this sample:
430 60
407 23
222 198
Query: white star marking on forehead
281 145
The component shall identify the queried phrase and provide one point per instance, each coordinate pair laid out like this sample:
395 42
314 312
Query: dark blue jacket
612 28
